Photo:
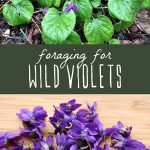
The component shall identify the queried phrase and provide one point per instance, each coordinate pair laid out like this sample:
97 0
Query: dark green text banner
74 69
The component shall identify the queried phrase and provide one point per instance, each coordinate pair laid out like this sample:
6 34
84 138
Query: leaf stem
25 36
36 25
101 8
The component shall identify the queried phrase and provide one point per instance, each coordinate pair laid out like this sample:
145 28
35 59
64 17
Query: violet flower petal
74 7
72 133
3 141
68 8
74 147
70 106
71 7
39 113
77 125
49 140
134 145
25 115
11 135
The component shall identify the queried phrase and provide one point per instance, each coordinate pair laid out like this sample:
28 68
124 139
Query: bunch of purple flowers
75 129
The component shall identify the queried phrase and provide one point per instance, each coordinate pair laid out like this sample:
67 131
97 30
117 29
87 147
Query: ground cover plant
75 128
72 22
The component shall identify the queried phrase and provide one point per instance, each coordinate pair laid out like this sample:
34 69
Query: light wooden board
131 109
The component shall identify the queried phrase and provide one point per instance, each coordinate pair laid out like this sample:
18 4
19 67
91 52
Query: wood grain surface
131 109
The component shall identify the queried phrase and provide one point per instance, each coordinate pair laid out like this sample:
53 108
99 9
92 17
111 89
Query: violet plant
75 129
76 21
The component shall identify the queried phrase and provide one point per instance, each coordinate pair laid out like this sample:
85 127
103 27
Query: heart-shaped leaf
84 9
95 3
18 14
124 10
58 26
98 30
47 3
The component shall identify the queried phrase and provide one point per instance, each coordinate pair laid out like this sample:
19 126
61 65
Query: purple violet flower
61 141
125 143
58 120
61 121
119 128
35 132
45 145
130 144
81 115
110 131
71 7
81 131
97 127
92 111
5 137
34 118
124 131
65 143
70 106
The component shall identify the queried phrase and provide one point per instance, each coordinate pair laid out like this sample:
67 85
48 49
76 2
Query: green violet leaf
95 3
45 3
18 14
114 42
84 9
124 10
15 2
56 3
73 38
57 26
122 25
98 30
146 4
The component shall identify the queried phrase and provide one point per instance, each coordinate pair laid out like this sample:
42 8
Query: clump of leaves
77 21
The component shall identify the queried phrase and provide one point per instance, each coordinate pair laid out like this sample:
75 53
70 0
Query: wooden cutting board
130 109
